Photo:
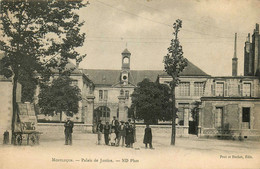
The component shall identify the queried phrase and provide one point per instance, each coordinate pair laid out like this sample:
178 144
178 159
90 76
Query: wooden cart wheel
33 139
19 139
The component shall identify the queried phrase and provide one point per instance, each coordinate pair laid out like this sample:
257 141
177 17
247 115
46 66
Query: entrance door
102 113
219 118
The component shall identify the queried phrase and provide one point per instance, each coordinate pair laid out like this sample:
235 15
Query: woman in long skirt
129 135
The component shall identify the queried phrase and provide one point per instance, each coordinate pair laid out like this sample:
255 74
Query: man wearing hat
121 133
115 125
99 131
132 125
68 131
129 135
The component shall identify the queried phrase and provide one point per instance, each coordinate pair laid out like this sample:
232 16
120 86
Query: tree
37 36
174 64
150 101
60 96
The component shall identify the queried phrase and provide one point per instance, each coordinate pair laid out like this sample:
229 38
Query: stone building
188 94
230 106
113 89
85 85
6 102
207 106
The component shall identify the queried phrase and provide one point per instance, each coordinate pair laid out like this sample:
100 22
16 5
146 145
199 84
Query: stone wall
232 126
52 128
58 128
6 106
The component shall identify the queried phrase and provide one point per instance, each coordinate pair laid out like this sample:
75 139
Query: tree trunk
15 79
173 117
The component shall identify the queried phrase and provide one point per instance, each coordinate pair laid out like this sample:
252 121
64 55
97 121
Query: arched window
103 111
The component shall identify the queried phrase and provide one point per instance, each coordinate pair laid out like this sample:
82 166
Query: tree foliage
174 64
38 36
60 96
151 101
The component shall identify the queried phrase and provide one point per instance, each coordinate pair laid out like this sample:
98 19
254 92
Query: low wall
52 128
242 134
59 128
181 131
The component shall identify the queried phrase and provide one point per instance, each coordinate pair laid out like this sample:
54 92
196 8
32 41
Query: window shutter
225 86
252 90
213 89
239 88
241 91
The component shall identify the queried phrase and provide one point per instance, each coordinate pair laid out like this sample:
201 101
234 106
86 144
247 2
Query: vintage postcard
150 84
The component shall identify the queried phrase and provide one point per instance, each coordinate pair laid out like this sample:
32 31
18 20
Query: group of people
125 131
114 133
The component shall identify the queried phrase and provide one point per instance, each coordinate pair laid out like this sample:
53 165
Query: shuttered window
198 88
184 89
100 94
247 89
219 89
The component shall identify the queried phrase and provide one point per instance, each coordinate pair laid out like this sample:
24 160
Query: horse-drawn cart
25 132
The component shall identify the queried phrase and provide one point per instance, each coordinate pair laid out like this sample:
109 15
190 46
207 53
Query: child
148 136
113 138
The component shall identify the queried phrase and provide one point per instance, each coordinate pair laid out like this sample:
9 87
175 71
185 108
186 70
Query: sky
145 28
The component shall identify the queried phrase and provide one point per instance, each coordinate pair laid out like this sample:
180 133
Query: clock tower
125 66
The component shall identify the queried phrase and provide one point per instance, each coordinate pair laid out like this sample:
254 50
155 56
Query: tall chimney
234 59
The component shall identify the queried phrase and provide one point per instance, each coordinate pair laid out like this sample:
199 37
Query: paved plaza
189 152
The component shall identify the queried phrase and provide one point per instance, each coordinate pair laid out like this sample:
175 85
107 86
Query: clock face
124 77
126 60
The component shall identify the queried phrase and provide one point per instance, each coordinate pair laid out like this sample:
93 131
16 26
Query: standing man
121 133
129 135
107 131
133 127
148 136
115 125
99 131
68 131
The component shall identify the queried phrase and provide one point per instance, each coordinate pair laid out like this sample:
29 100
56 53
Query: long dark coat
129 135
106 129
68 127
147 135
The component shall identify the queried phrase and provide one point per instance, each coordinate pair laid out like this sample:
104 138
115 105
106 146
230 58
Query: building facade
230 108
208 106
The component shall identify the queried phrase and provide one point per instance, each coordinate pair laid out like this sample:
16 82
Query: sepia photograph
125 84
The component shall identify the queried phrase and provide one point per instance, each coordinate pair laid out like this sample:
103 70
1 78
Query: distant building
85 85
113 88
6 101
230 106
221 106
252 54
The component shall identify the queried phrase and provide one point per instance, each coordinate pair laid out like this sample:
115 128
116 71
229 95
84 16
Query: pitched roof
69 65
111 77
126 51
190 70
